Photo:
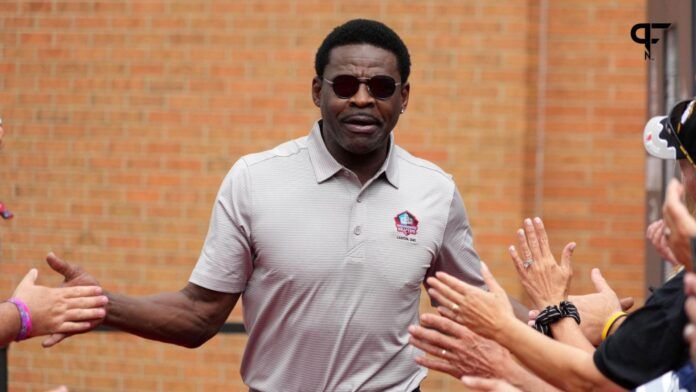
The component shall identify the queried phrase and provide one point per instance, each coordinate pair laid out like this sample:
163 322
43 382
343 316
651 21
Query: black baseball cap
673 136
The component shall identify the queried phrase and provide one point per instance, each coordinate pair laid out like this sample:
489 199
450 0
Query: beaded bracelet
552 314
569 310
25 318
546 317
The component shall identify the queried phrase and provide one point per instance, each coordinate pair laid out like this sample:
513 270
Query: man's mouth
361 123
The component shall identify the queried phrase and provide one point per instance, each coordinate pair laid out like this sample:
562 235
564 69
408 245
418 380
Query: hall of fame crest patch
406 223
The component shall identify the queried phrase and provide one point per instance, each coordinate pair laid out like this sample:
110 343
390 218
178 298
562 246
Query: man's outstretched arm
188 317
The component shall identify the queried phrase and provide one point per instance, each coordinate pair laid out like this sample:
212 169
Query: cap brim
654 144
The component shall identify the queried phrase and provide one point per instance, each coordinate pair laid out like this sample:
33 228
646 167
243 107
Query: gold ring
455 307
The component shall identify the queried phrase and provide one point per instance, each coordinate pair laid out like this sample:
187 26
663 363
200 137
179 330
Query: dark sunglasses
380 86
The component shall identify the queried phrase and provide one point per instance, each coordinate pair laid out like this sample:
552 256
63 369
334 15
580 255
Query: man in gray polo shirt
327 238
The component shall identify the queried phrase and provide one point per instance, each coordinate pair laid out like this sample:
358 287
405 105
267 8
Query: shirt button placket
356 229
360 210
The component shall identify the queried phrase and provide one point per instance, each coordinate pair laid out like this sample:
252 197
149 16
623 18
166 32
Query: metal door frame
681 15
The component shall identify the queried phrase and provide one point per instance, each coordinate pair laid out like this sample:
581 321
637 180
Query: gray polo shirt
329 269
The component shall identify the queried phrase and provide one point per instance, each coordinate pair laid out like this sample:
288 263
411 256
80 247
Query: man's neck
365 166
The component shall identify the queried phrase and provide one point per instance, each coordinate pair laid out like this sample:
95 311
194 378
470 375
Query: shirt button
357 230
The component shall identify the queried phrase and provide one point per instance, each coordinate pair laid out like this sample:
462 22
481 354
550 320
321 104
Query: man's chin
361 144
359 149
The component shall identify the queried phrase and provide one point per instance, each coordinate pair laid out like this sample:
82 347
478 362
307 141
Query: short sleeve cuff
215 283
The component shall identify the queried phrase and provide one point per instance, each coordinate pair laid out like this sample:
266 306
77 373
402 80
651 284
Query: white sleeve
226 260
457 255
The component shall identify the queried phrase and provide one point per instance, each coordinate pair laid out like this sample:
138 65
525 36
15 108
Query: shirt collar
325 166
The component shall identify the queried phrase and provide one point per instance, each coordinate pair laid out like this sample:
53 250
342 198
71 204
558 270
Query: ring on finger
527 263
455 308
443 352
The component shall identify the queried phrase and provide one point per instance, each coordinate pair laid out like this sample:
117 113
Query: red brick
116 112
36 38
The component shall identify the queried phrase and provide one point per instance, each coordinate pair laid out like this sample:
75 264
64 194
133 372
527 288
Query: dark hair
363 31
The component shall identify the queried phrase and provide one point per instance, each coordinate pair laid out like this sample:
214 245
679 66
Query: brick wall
123 117
594 161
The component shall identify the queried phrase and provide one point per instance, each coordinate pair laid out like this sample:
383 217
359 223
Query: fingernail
688 330
511 248
572 246
520 231
528 221
466 379
537 220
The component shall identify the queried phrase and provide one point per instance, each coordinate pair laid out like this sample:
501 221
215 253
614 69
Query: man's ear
405 91
316 91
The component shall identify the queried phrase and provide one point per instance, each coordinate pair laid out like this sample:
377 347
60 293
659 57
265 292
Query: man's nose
362 97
